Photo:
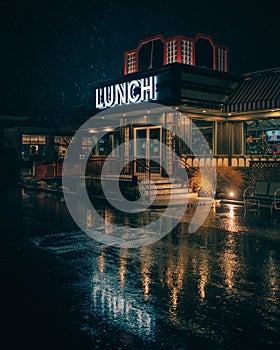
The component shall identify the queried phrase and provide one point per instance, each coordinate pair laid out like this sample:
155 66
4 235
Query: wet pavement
216 288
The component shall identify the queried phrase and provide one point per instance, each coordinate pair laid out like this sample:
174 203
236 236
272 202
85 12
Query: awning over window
258 91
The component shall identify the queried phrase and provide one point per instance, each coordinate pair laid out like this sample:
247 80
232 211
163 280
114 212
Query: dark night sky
51 50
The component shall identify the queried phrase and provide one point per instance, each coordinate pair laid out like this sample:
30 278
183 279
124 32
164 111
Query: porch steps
162 192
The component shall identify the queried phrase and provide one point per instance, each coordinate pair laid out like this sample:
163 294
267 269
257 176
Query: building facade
239 115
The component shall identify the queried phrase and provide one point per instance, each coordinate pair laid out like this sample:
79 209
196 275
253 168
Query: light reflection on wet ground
217 288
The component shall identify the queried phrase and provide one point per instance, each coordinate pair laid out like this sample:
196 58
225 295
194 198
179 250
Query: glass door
147 149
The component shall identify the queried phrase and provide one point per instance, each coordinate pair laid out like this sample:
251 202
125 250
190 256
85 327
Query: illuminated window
171 51
33 139
221 59
60 145
187 50
258 137
41 139
131 62
62 140
33 146
26 139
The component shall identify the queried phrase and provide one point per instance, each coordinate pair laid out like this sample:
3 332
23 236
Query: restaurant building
239 115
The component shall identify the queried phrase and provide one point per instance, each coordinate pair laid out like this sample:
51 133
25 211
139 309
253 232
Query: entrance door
147 145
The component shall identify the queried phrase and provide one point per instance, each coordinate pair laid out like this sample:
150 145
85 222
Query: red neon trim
204 36
210 39
125 63
136 61
173 38
179 39
187 38
165 52
147 40
214 58
179 50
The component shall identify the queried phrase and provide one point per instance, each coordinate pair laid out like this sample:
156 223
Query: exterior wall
177 85
199 90
226 139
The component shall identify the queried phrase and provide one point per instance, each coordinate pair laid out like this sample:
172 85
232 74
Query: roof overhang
11 120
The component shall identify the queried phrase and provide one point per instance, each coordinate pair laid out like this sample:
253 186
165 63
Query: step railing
145 175
180 172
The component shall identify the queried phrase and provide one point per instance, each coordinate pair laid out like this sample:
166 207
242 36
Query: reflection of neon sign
125 313
129 92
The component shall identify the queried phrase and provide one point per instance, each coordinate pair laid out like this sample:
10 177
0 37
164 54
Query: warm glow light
101 264
122 270
231 213
204 275
231 194
273 278
204 111
145 271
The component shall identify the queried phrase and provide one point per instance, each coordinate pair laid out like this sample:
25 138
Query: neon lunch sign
134 91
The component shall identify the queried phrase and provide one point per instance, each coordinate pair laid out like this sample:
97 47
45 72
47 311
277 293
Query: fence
264 170
260 167
43 171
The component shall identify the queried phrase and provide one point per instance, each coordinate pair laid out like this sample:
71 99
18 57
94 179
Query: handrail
275 193
247 190
276 199
147 170
186 165
143 163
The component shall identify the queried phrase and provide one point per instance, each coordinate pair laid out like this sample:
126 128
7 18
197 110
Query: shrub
228 179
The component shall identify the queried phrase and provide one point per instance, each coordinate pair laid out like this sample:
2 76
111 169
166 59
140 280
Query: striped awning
258 91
